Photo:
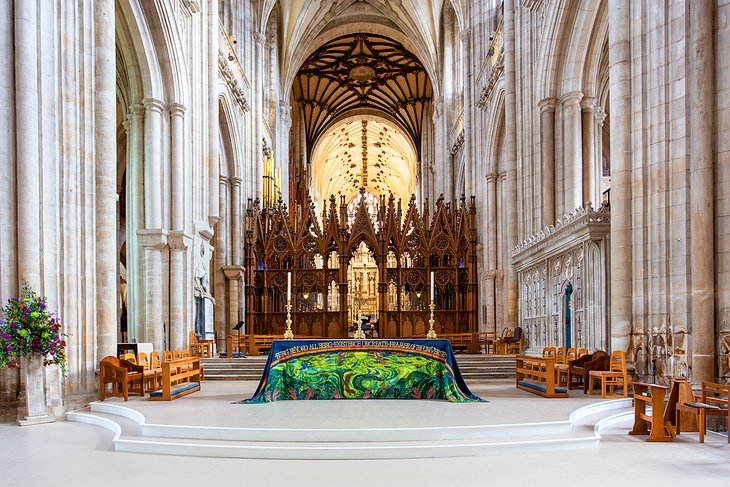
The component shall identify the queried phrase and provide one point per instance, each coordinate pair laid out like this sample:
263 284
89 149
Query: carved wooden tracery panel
318 252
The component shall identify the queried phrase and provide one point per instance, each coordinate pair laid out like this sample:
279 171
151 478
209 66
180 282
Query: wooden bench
537 375
179 378
261 343
461 341
656 425
713 401
488 339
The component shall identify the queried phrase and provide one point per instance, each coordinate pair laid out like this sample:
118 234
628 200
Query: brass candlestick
431 335
288 334
359 334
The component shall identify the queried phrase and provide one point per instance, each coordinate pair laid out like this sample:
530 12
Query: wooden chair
151 375
143 360
167 356
560 355
512 344
548 352
199 348
176 355
581 352
125 378
614 377
185 354
129 357
579 368
570 354
155 362
713 401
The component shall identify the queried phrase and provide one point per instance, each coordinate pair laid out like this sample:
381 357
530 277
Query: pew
537 375
179 378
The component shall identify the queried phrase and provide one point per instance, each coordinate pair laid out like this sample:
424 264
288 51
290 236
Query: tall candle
288 286
431 286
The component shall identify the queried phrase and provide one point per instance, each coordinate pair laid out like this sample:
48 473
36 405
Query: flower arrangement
28 327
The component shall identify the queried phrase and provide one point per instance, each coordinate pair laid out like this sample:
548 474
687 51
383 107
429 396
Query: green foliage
28 327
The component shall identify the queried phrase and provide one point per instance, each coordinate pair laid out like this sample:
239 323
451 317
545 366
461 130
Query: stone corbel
233 272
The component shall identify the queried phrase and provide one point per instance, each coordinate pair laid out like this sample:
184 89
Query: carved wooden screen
406 247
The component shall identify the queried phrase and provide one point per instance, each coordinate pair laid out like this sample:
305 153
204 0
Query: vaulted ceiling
364 152
367 73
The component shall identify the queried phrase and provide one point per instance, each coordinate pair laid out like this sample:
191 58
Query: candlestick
288 286
431 335
359 333
288 334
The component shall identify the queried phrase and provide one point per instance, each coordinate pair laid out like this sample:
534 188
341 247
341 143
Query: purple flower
9 348
5 336
27 311
14 324
56 337
42 305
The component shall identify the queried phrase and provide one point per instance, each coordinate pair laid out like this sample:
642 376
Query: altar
361 369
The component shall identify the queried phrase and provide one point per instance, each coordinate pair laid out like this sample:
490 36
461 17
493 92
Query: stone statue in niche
201 290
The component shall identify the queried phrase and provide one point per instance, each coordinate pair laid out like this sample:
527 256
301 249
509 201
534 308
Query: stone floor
75 454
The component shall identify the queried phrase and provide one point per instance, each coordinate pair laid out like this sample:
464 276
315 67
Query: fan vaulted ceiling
364 72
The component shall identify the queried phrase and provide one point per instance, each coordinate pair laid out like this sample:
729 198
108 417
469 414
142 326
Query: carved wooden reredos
405 247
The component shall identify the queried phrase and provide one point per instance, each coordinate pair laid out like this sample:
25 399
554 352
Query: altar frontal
361 369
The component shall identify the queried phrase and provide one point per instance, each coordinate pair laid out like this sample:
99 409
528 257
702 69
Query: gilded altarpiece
563 275
324 253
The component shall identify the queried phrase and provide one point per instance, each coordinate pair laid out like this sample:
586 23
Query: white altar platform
210 424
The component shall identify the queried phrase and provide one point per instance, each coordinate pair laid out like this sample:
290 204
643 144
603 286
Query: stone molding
491 177
572 97
577 221
231 71
465 36
176 109
458 143
153 105
193 6
494 75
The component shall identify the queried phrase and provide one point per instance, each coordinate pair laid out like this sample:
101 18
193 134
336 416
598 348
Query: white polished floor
75 454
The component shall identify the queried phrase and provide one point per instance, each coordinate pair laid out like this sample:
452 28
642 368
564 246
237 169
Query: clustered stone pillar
213 122
470 163
491 264
572 150
221 256
619 59
547 131
510 140
702 249
588 106
152 238
177 240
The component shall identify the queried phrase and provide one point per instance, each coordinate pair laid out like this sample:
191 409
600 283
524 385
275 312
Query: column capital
135 109
152 238
465 36
503 176
235 181
259 38
223 180
571 98
600 116
588 104
547 104
491 177
153 105
178 240
176 109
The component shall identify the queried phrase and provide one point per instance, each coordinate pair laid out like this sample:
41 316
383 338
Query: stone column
619 59
572 150
234 274
221 256
134 125
236 221
283 151
701 149
154 242
213 122
260 40
599 119
491 244
547 146
177 240
178 243
510 140
153 163
469 162
590 140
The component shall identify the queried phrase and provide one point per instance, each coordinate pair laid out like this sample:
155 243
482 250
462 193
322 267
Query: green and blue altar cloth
361 369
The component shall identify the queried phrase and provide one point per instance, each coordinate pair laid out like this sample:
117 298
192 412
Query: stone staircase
474 367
